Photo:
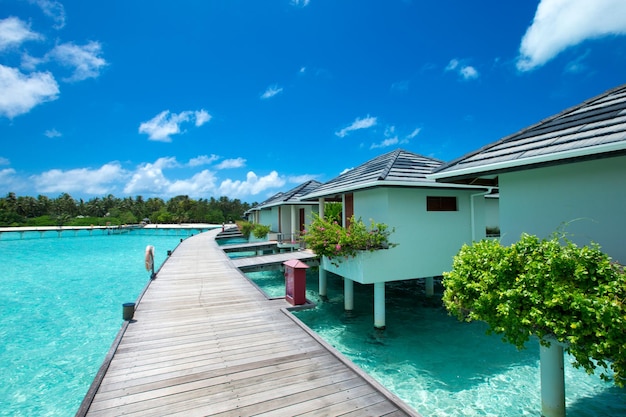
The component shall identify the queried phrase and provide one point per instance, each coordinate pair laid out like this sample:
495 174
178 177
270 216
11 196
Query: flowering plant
328 238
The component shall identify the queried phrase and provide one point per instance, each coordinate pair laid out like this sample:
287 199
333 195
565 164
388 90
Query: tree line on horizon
100 211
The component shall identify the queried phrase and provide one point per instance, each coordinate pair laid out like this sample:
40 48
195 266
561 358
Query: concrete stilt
430 286
323 282
379 305
348 294
552 380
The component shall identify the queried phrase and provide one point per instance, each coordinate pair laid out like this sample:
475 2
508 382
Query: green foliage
260 231
65 210
332 212
245 228
330 239
546 288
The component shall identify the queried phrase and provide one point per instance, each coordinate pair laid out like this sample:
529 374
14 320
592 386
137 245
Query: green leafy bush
260 231
245 228
328 238
545 288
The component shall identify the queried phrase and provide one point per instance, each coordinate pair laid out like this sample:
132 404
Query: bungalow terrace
431 221
286 213
566 173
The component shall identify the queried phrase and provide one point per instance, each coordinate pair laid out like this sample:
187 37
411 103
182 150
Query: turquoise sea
439 366
61 308
61 302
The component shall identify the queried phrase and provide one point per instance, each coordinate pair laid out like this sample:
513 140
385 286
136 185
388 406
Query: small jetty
274 261
204 341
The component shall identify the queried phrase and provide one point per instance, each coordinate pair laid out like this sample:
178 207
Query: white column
293 220
348 294
323 282
552 380
430 286
322 275
379 305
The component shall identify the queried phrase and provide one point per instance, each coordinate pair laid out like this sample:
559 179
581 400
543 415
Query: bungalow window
441 204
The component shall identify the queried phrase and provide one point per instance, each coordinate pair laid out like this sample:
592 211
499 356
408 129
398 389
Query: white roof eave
416 184
518 163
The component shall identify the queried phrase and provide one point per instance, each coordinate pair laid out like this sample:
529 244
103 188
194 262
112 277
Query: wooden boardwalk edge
398 402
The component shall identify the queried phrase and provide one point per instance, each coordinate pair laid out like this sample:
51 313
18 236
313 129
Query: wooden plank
206 341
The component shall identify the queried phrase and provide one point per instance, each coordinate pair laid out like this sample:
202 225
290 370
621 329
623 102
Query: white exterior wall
269 218
589 196
286 220
427 241
492 212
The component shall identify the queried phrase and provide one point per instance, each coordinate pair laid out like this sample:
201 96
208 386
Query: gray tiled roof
398 167
594 128
292 196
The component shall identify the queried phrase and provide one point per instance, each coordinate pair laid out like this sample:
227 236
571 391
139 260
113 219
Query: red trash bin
295 282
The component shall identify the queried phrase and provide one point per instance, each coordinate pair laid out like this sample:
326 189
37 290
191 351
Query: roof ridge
390 165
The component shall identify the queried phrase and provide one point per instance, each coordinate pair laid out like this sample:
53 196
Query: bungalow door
348 208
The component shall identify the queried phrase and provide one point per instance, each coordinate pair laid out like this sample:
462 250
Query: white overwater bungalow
286 213
431 222
565 174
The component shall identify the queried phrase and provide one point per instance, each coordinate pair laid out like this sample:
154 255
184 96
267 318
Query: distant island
27 211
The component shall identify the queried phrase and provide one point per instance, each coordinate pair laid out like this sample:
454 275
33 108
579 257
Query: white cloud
202 117
391 138
200 184
19 92
10 181
385 143
271 92
414 133
452 65
91 181
364 123
401 86
13 32
466 72
561 24
253 185
52 133
52 9
202 160
300 3
4 161
231 163
165 124
149 178
85 60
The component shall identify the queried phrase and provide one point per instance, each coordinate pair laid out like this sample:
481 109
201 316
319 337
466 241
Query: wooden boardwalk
205 342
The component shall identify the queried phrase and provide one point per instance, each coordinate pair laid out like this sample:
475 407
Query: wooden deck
254 246
258 263
205 341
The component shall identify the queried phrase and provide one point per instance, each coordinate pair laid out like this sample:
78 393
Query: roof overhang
336 192
489 172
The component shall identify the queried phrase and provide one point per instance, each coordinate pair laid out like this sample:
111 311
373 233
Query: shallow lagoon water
436 364
61 309
61 302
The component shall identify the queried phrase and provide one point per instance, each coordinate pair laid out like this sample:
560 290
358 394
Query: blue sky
245 98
